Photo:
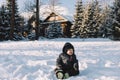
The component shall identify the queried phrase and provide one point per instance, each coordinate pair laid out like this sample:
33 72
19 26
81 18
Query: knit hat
67 46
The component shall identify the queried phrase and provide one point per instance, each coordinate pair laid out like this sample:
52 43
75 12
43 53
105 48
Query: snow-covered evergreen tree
88 21
4 24
116 19
54 31
97 19
106 29
76 27
17 35
87 17
1 25
91 20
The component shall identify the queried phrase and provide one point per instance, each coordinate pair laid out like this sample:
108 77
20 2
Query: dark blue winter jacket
66 62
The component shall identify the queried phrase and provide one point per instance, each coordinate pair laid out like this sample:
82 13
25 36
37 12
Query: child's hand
60 75
75 66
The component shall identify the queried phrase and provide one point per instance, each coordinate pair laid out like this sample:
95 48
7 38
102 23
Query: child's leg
73 72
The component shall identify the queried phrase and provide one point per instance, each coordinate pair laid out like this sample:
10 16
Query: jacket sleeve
76 64
59 62
75 59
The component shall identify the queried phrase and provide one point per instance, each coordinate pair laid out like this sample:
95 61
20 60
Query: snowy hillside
35 60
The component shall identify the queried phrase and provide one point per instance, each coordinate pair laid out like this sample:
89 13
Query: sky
67 5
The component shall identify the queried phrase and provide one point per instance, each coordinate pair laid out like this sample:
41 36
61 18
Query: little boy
67 64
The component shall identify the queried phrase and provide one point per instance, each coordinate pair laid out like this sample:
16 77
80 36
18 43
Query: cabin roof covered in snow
57 17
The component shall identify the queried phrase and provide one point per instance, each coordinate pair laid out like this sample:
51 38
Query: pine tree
87 24
1 23
83 29
106 28
54 31
75 29
91 20
116 20
97 19
4 24
17 32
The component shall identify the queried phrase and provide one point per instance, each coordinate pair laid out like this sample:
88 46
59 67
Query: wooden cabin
59 19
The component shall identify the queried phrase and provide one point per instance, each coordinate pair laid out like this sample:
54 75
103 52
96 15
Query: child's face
70 51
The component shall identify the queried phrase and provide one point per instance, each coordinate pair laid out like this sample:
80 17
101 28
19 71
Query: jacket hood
67 46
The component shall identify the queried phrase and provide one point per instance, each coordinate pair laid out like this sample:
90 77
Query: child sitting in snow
67 64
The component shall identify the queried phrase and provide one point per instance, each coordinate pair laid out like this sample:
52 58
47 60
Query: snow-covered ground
99 59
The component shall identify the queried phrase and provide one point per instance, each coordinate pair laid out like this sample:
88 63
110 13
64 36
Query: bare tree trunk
12 20
37 20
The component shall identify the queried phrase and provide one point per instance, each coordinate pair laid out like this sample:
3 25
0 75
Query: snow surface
99 59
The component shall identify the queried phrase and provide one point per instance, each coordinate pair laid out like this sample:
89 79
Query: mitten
66 75
75 66
59 74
